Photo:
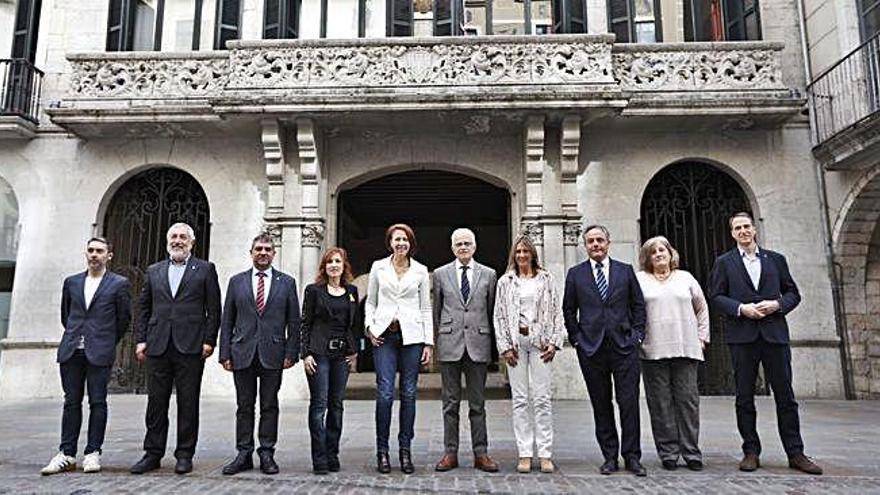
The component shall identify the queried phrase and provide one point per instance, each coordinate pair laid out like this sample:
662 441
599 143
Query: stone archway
857 256
689 203
137 217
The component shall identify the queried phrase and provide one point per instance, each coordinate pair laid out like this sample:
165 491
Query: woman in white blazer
399 324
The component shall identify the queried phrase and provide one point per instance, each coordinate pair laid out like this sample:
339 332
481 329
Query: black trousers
776 360
246 389
77 374
599 370
183 373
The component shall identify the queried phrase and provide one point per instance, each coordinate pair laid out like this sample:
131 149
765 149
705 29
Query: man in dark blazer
259 337
753 290
177 331
463 308
95 313
605 318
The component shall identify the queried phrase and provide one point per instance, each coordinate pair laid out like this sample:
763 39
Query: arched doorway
434 203
8 251
857 255
689 203
136 221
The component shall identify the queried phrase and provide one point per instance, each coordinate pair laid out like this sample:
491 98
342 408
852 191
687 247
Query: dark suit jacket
275 332
588 319
189 319
316 320
731 286
103 324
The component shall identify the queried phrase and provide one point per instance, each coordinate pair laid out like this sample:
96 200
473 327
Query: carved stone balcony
508 73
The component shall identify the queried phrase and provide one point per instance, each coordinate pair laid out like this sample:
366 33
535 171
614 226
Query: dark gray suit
102 324
174 329
464 345
257 345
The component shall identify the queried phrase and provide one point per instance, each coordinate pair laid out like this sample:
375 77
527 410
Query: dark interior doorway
689 203
433 203
136 221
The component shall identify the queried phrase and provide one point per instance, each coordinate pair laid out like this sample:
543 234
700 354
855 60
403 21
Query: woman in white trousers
529 330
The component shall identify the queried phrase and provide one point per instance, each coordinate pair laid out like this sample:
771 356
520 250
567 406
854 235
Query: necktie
601 283
261 292
465 285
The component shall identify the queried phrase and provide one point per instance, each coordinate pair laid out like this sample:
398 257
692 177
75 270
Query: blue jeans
327 387
77 375
389 358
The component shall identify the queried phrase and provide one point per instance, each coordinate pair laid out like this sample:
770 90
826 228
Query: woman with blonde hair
529 330
676 333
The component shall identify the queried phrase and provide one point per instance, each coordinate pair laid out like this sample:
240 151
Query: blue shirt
175 274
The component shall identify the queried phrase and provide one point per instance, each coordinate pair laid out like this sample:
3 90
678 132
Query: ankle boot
406 464
383 464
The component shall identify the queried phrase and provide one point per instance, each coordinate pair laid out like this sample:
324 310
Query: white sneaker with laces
92 462
59 464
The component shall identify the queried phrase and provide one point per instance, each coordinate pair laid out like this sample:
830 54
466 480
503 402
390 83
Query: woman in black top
330 324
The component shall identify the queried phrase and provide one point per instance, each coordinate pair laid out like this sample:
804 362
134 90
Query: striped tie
465 285
601 283
261 292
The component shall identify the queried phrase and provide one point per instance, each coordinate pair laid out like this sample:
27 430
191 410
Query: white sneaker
59 464
92 462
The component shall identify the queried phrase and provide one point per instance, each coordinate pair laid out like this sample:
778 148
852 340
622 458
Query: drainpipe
833 266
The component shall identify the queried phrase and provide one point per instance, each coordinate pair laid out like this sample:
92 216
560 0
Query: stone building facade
328 138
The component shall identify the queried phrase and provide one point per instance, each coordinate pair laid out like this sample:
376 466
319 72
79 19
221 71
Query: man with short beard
176 332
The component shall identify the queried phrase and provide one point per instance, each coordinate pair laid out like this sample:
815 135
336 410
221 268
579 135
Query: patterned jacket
549 327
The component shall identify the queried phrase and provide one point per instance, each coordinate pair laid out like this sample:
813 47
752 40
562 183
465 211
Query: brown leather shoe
447 462
749 462
804 463
485 463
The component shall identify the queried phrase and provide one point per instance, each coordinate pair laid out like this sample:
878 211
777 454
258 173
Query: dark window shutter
27 27
228 22
400 18
291 19
272 19
743 21
569 16
120 23
620 20
447 17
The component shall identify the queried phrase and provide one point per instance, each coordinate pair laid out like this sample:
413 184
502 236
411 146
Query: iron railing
20 90
847 92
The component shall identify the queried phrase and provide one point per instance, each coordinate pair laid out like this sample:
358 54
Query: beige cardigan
549 327
678 316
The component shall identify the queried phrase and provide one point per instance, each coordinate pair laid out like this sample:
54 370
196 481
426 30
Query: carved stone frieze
697 68
534 231
312 235
571 234
143 77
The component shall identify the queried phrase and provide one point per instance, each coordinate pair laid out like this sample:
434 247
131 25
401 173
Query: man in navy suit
176 332
605 318
753 290
95 313
259 337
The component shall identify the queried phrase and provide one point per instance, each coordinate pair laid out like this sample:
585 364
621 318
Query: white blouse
678 316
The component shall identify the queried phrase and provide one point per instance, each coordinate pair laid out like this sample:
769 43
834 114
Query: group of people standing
623 325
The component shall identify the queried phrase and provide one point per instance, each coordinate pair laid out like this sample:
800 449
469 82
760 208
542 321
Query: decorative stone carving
310 167
534 152
570 143
312 235
534 231
275 231
478 124
273 154
149 76
698 67
571 234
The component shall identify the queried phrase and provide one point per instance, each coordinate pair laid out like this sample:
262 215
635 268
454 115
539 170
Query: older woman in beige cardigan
529 330
676 332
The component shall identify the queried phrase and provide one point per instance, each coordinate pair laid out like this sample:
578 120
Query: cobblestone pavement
842 436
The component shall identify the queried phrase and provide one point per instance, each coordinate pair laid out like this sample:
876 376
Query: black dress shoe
635 467
695 465
242 462
610 466
267 463
383 463
670 465
406 464
146 464
320 469
333 464
183 466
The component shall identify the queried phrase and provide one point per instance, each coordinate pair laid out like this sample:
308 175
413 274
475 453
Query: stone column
312 222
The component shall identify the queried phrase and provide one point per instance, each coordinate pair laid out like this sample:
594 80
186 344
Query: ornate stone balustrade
487 72
685 67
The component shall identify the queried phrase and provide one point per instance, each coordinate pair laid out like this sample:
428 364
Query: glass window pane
508 17
144 25
177 26
475 17
645 32
542 17
752 31
342 19
644 9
